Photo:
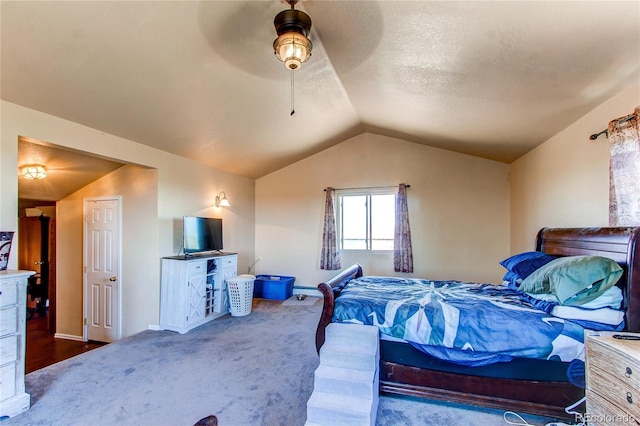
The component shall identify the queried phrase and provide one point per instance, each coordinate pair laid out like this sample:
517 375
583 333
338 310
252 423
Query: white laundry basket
240 290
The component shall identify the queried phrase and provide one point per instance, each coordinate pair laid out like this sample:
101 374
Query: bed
520 384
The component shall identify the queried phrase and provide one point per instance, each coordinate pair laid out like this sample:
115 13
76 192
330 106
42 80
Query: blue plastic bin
276 287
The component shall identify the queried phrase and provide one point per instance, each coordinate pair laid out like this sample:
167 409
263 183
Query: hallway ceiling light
34 172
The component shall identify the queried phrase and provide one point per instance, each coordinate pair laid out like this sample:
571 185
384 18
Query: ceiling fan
292 46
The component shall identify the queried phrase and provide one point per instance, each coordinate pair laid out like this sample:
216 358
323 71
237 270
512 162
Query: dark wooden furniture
535 397
37 252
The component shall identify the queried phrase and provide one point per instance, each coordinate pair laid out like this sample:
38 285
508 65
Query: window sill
365 251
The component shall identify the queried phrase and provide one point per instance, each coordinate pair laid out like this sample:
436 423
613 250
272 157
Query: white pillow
601 315
612 298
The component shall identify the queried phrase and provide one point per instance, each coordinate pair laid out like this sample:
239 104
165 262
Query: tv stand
193 289
196 255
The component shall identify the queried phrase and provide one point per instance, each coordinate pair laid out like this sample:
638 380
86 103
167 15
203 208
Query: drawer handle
629 398
628 372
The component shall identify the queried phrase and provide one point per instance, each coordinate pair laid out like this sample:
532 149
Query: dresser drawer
9 290
618 392
8 320
601 412
8 349
227 261
8 380
196 268
622 366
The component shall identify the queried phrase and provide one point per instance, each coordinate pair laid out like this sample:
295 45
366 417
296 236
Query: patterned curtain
329 258
402 252
624 171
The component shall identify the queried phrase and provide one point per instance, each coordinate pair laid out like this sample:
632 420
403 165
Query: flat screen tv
202 234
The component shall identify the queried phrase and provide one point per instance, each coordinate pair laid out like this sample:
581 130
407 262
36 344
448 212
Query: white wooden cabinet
193 289
13 298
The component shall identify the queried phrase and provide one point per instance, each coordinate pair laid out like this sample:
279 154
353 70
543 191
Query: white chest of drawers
13 298
613 378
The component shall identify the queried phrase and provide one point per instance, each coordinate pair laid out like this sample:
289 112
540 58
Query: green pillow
574 280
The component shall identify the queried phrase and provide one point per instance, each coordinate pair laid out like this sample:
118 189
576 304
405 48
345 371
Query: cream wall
184 187
458 207
138 189
466 213
565 181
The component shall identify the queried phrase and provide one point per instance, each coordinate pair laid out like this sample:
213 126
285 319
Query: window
366 219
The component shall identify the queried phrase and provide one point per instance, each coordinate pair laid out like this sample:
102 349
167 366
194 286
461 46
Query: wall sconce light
221 200
34 172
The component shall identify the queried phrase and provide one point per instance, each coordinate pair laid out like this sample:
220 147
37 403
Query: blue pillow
521 265
511 280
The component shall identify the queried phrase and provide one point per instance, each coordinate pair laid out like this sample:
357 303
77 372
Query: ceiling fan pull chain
293 111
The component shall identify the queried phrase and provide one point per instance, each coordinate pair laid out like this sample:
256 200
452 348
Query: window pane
383 209
355 244
354 218
382 244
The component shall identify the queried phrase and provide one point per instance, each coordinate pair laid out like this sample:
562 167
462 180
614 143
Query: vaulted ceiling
199 78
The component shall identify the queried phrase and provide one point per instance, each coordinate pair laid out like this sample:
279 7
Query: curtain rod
595 136
367 187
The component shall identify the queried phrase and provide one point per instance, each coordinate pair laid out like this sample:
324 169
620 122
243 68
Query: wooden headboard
620 244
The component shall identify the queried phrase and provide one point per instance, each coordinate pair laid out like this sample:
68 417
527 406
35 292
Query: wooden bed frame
535 397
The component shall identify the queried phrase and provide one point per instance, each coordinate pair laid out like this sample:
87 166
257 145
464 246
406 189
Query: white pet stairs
346 381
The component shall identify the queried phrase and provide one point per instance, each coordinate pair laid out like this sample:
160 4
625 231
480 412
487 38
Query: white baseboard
154 327
309 291
15 405
68 337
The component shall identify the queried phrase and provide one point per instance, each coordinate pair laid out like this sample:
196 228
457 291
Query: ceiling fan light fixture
34 172
293 49
292 46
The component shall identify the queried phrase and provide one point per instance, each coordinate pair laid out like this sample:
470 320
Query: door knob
112 279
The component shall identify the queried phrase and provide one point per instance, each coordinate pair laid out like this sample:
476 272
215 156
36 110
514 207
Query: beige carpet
252 370
307 301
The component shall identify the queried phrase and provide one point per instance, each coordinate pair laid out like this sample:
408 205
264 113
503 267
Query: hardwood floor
43 349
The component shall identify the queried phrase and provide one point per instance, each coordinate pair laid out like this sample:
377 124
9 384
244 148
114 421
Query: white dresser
13 298
193 289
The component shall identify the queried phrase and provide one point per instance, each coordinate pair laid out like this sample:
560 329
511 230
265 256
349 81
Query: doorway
68 171
37 252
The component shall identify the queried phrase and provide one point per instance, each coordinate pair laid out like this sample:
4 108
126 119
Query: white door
102 287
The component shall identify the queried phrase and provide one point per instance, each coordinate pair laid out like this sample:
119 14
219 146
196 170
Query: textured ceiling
199 78
67 170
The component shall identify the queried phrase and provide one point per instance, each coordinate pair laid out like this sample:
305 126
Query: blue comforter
466 323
